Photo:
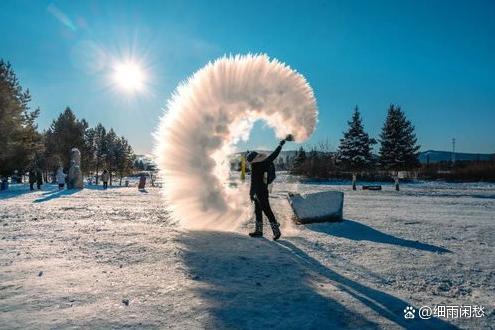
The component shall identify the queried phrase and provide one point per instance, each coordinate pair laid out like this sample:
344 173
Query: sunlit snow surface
211 111
428 244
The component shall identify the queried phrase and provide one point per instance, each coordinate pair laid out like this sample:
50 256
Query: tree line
24 148
460 170
398 150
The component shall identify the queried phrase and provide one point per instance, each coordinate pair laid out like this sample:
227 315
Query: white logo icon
425 312
409 312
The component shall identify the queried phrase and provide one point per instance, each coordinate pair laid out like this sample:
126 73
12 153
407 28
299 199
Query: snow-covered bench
317 207
372 187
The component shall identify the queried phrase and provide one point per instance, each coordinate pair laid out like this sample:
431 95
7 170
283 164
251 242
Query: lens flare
206 116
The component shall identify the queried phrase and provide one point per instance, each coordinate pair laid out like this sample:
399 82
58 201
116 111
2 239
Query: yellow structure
243 168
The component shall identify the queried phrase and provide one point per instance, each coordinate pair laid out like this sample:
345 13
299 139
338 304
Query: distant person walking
39 178
60 176
32 179
105 176
263 174
142 182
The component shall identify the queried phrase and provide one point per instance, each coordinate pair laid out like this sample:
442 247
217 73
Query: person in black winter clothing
105 176
39 178
32 179
260 166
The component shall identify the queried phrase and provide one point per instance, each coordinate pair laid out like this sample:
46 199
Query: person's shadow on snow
248 283
386 305
12 193
251 283
357 231
55 194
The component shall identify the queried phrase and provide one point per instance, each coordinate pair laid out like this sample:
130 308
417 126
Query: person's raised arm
275 154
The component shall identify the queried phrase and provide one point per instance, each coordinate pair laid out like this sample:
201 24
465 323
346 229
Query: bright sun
129 76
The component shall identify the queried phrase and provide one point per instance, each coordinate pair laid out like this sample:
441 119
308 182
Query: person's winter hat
251 156
254 157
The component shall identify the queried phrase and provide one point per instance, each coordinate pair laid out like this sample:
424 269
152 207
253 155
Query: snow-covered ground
112 259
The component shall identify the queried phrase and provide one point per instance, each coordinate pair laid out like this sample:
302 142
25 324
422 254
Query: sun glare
129 76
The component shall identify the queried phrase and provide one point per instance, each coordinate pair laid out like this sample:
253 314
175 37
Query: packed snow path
112 259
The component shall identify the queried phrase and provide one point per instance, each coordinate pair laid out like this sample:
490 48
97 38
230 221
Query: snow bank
317 207
207 115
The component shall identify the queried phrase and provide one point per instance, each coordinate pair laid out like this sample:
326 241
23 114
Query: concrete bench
325 206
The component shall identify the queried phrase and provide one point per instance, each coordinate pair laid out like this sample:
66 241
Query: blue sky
434 58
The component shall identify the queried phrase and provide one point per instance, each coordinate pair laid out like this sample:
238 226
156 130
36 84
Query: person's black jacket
32 177
39 177
258 169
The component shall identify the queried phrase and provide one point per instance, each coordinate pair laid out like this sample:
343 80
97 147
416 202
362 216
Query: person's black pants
105 185
262 205
31 185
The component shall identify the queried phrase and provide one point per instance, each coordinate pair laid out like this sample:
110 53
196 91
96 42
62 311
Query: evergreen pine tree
112 152
65 133
313 160
299 161
355 150
100 147
124 157
19 139
107 150
398 149
88 153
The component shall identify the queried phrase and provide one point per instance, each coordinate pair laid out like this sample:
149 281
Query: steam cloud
210 112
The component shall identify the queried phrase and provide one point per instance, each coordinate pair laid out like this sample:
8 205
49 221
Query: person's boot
258 231
276 231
